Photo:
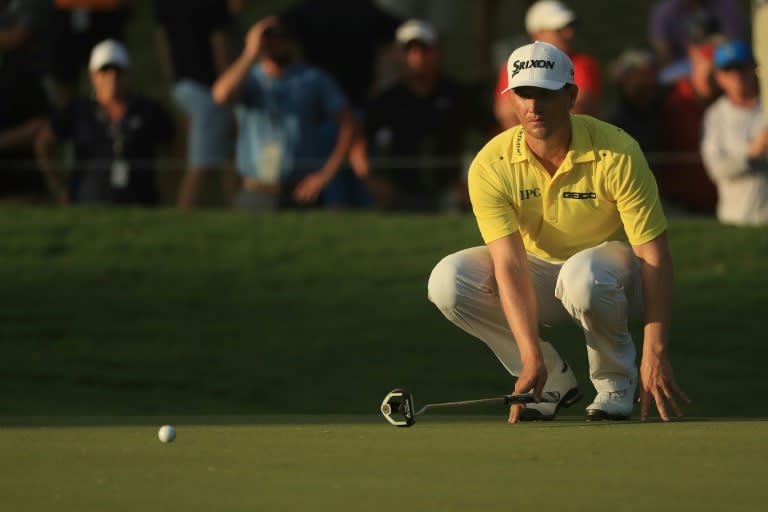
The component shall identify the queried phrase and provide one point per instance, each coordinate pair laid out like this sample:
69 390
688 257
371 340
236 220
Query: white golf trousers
598 288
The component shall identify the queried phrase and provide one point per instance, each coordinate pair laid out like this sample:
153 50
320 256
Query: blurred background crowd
351 103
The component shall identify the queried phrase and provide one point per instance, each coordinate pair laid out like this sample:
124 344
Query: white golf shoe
613 405
563 382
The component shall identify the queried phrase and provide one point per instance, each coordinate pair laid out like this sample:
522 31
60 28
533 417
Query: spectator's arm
348 127
358 155
45 145
22 135
310 187
228 85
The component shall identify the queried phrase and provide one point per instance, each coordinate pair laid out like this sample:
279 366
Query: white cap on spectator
108 53
416 30
539 64
548 15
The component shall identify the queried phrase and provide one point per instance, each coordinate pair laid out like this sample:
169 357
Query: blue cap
733 53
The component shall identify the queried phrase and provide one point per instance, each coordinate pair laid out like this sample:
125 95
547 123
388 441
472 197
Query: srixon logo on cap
519 65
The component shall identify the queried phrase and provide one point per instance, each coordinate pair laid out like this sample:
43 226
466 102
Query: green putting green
443 463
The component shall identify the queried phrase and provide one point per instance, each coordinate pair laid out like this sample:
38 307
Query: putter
399 410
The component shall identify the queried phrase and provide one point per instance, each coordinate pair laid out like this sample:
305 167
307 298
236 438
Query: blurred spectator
415 131
76 27
24 106
637 107
680 173
675 23
347 38
195 46
552 22
116 135
281 105
351 40
734 144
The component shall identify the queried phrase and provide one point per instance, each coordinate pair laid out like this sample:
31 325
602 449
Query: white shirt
742 184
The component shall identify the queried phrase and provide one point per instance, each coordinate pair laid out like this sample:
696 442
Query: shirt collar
581 149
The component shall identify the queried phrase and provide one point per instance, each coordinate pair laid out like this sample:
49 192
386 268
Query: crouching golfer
555 198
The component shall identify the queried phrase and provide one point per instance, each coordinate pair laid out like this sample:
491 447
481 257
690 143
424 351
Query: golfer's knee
581 291
442 288
584 294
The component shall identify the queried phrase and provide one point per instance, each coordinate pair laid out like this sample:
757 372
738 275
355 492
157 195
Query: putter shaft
524 398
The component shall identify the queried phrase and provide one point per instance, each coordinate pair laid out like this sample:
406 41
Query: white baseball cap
548 15
416 30
108 53
539 64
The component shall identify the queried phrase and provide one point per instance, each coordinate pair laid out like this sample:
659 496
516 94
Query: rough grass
129 312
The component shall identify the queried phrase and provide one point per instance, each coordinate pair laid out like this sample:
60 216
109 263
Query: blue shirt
288 111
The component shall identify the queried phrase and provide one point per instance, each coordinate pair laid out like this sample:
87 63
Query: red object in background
680 174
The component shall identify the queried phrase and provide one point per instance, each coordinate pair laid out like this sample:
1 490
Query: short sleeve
633 186
495 214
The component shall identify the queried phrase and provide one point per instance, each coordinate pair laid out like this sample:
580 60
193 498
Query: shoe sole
598 415
570 398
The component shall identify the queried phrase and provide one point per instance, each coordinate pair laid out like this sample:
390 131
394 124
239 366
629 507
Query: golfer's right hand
532 377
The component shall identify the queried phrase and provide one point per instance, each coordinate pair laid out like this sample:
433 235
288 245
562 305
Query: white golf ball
166 434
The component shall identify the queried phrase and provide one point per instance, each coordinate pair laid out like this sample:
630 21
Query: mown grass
126 312
300 463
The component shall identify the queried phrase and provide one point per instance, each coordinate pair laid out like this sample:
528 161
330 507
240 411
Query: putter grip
527 398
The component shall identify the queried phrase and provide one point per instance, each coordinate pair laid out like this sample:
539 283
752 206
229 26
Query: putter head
397 408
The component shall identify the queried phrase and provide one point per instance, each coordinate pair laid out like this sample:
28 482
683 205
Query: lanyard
120 170
118 140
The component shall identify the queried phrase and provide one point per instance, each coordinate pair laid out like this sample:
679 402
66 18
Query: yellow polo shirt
603 190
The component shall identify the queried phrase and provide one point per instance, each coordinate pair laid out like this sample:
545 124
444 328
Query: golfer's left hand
533 377
657 383
308 189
